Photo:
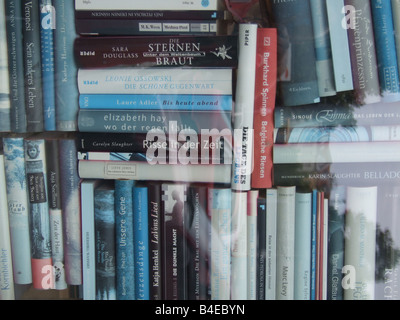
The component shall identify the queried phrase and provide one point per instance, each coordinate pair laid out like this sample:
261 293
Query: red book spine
264 105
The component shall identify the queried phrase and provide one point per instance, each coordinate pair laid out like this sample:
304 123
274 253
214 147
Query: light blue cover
141 241
125 261
65 67
47 26
386 50
155 102
314 245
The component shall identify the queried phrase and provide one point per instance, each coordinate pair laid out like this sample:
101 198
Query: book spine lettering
5 103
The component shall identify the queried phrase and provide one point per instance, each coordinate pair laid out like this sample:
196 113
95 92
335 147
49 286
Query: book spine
285 243
70 202
252 244
219 208
150 14
107 27
386 50
18 210
88 239
261 247
320 246
174 198
244 108
323 50
55 211
168 121
155 241
379 151
145 5
110 142
155 81
396 26
5 103
156 102
13 10
336 220
297 74
47 26
314 248
361 215
270 271
41 253
239 246
264 105
6 265
339 46
32 65
65 67
362 51
164 51
379 114
141 242
125 261
105 243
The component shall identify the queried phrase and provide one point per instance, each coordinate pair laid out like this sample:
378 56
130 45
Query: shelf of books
200 150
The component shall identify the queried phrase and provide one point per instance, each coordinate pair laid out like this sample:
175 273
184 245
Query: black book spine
261 247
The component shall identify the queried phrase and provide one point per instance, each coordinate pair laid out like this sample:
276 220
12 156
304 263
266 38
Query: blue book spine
155 102
314 257
125 263
47 26
13 10
5 104
141 242
18 211
386 50
65 67
104 216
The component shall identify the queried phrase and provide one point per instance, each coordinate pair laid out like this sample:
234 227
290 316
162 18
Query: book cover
158 51
154 121
47 26
155 241
252 197
104 219
146 5
244 108
360 240
124 240
219 211
70 204
175 258
155 81
6 265
264 105
362 51
261 247
323 50
239 245
340 46
18 210
65 67
13 11
156 102
270 271
141 242
285 243
36 179
55 211
107 27
302 247
5 103
297 75
88 239
32 65
388 72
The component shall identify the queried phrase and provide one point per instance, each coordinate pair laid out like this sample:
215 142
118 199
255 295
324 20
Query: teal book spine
5 103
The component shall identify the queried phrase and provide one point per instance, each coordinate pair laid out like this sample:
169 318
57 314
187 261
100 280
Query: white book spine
340 45
239 246
146 5
252 244
6 271
244 108
270 273
285 232
360 233
155 81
